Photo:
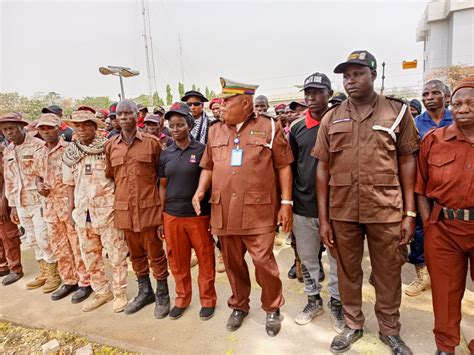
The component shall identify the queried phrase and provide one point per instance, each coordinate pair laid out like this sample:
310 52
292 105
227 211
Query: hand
160 232
4 215
14 216
285 218
407 230
197 198
70 219
326 233
43 189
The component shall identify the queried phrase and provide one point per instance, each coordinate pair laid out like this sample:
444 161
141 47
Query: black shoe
371 279
342 342
11 278
206 313
273 324
337 316
322 275
292 272
81 294
63 291
439 352
4 273
145 296
176 312
396 344
162 299
235 320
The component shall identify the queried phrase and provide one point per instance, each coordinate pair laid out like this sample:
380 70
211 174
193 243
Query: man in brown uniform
244 157
445 188
365 180
132 159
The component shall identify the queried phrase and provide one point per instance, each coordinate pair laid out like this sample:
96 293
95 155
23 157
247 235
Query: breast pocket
27 166
145 165
254 148
340 136
441 167
219 148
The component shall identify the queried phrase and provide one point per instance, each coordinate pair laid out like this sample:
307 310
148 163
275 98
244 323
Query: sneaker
97 301
336 315
120 302
313 308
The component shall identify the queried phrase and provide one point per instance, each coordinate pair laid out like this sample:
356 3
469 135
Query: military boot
53 281
162 307
39 280
145 296
421 282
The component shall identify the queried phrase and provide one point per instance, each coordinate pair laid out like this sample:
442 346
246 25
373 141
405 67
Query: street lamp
120 72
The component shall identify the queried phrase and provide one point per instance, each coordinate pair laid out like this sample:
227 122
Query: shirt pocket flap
104 201
341 180
343 127
151 202
257 141
117 161
144 158
121 205
215 197
386 180
441 159
219 142
257 198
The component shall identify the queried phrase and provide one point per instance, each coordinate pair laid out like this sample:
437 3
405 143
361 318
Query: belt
463 214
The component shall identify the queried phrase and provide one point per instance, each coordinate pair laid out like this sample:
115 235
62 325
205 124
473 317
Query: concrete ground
189 335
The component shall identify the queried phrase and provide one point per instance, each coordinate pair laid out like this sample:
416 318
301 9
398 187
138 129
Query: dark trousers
386 258
182 234
417 250
260 248
146 252
10 253
449 247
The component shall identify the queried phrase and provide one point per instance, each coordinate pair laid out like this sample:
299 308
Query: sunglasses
194 104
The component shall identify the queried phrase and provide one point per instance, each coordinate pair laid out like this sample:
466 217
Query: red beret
215 100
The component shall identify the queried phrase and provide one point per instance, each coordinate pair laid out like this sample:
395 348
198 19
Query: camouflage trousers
31 219
95 240
65 244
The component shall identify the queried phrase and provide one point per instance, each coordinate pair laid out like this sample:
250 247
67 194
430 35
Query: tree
142 99
194 87
451 74
169 96
96 102
157 100
181 89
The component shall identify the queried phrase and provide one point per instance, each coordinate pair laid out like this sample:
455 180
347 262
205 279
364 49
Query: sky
59 45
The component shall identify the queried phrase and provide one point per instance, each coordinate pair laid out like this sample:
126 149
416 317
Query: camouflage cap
48 119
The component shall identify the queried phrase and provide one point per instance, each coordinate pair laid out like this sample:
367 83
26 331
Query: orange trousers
182 234
449 248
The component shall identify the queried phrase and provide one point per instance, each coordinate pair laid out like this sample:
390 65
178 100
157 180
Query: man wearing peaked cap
365 177
23 197
245 158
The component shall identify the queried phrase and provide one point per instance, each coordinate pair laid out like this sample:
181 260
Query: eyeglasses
194 104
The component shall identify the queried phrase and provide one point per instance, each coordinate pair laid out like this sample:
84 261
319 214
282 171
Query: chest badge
88 169
192 158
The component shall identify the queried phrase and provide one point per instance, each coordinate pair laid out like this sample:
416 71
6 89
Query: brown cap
48 119
13 117
84 116
467 82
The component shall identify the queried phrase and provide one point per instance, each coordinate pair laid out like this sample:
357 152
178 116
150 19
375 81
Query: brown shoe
97 301
39 280
120 302
53 281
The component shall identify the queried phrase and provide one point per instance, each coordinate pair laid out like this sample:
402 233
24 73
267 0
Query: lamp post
120 72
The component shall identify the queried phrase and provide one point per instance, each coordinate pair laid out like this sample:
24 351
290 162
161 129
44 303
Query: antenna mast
149 56
181 57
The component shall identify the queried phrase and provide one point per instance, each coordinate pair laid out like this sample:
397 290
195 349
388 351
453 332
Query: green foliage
210 94
169 96
194 87
96 102
143 99
157 100
181 90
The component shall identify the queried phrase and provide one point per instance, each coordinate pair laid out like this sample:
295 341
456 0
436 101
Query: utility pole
150 64
181 58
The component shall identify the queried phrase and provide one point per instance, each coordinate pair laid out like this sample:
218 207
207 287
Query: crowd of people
332 171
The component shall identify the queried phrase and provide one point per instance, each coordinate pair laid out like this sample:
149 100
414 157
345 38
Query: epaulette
267 115
296 121
332 107
397 99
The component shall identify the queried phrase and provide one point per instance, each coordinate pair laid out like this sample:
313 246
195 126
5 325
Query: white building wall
463 38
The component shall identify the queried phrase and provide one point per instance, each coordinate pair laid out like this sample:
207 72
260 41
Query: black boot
145 296
292 272
162 307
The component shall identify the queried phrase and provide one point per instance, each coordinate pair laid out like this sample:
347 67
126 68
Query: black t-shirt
302 140
67 134
182 170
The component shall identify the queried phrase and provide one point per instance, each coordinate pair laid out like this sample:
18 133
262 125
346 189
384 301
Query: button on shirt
425 123
445 168
181 168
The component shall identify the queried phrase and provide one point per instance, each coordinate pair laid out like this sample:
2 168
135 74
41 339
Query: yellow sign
409 64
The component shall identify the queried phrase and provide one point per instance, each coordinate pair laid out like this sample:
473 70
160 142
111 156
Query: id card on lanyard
236 157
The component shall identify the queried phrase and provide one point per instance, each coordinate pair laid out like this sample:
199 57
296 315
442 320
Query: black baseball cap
338 97
52 109
361 57
317 81
181 108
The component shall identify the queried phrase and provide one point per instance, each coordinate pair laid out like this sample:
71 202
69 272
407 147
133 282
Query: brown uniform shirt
446 168
244 198
20 186
364 183
134 168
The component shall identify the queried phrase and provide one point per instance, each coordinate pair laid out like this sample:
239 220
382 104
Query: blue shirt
425 123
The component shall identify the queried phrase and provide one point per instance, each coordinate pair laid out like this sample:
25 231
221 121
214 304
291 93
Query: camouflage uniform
62 235
21 192
94 218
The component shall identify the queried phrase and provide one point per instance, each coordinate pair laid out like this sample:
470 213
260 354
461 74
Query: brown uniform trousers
137 205
10 253
244 202
365 199
182 234
445 176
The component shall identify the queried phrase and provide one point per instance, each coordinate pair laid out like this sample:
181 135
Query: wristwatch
410 214
287 202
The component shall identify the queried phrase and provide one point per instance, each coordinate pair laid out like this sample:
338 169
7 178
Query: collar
453 131
64 126
138 135
193 144
61 143
310 121
447 117
351 107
